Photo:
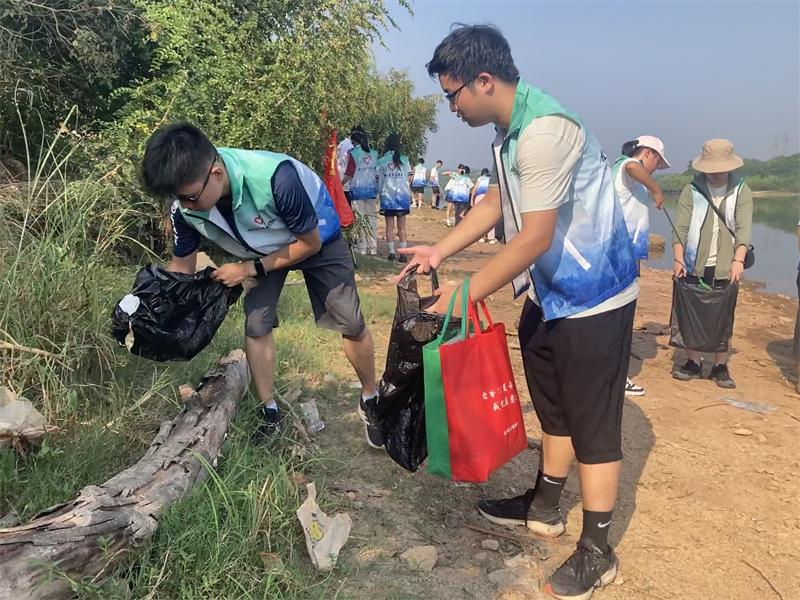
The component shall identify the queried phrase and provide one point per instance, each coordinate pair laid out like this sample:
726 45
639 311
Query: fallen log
86 537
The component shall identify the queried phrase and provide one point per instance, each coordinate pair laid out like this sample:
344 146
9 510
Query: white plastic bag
19 420
325 536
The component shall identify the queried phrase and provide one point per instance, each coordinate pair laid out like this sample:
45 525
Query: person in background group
418 181
362 175
342 156
449 217
633 180
394 173
462 193
434 183
567 246
478 193
706 250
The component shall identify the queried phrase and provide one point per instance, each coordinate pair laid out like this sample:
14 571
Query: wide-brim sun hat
654 143
717 156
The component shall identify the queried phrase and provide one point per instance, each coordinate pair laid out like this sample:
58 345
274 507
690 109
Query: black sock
595 528
548 491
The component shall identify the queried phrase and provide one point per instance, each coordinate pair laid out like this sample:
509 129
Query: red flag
334 184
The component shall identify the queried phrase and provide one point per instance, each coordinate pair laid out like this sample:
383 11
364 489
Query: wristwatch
260 272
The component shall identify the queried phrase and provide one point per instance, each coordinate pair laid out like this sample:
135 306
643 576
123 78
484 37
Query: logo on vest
259 224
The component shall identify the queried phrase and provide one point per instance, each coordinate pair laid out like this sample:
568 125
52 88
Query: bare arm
533 240
183 264
639 173
307 244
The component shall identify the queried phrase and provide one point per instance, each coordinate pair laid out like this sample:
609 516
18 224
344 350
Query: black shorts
418 189
576 371
330 280
394 212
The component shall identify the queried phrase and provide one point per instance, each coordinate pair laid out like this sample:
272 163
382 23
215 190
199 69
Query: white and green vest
633 200
395 193
364 184
419 179
591 256
700 209
257 221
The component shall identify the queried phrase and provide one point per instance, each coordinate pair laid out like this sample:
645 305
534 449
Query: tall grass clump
57 243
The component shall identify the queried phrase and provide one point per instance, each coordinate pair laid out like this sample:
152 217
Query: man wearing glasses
275 214
568 247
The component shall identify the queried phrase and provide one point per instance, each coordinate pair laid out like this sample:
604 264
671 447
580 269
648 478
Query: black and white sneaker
720 374
690 370
631 389
519 511
587 568
270 418
391 256
373 433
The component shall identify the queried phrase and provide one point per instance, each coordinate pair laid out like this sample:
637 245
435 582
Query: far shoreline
770 194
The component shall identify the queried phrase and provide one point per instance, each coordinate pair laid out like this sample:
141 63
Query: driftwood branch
85 537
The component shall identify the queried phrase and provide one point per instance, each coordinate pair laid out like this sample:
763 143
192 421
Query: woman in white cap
706 249
633 181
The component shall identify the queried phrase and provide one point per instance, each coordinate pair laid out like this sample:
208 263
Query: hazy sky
683 71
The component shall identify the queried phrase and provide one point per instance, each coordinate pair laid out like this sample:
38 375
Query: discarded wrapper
19 420
325 536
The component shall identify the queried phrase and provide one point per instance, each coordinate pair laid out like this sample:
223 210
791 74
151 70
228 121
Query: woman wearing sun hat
633 182
706 250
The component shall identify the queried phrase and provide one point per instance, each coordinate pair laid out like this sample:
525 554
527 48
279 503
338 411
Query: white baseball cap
652 142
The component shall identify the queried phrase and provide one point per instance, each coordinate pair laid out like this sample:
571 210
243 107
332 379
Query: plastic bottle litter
311 416
756 407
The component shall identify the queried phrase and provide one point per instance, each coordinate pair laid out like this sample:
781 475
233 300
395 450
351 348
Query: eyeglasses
194 198
453 96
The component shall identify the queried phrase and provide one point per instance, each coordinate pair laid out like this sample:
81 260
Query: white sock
271 404
365 397
391 247
403 244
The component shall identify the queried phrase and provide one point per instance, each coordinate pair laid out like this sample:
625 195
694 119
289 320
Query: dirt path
709 493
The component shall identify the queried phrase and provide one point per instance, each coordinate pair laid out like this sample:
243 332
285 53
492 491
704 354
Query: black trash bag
400 409
702 317
171 316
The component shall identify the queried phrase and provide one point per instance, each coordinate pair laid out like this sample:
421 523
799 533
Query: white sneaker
631 389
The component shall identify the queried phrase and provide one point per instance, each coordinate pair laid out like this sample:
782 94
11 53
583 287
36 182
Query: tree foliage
271 74
778 174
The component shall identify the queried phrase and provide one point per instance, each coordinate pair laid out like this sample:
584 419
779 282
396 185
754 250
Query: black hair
356 128
175 155
631 148
440 162
460 166
466 170
393 145
469 50
484 171
359 138
420 161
